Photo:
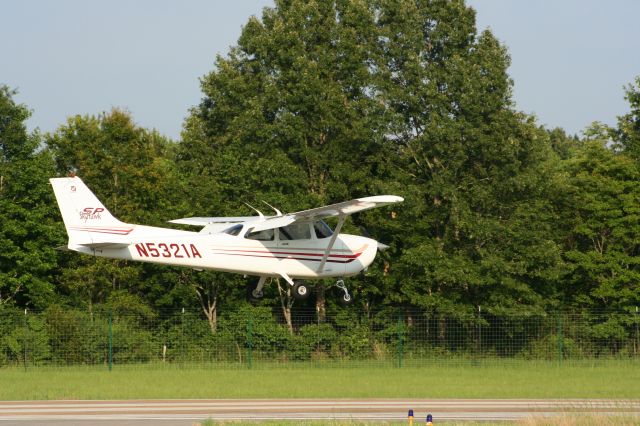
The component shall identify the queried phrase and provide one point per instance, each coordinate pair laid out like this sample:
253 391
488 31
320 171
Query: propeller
365 232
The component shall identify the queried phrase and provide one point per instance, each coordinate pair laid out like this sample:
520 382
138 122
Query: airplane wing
202 221
348 207
342 209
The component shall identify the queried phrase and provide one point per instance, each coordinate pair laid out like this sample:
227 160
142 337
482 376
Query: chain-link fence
250 337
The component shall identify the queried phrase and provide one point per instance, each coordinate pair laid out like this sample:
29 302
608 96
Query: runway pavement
188 412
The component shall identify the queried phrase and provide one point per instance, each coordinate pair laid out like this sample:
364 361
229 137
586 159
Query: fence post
182 355
400 340
560 338
24 342
110 337
479 331
249 343
478 344
636 343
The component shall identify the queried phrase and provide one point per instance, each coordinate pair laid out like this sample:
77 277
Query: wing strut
287 278
341 219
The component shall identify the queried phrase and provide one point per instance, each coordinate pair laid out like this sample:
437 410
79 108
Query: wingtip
383 199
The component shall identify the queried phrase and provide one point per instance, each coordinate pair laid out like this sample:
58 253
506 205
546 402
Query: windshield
234 230
321 229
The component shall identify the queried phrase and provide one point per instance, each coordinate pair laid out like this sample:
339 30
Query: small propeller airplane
294 246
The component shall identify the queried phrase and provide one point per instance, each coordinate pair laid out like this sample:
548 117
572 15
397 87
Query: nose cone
363 251
369 253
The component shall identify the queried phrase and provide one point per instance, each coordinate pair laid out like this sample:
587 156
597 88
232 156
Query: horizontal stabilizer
105 245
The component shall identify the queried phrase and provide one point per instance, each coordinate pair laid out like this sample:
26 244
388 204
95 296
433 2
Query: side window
295 231
266 235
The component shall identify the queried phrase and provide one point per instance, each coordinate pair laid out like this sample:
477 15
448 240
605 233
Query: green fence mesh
253 336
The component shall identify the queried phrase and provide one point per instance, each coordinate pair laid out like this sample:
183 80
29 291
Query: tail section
87 220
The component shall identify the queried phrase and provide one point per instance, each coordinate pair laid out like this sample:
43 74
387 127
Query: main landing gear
300 289
255 294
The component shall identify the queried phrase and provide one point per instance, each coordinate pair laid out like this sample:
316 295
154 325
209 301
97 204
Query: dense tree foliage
322 101
29 231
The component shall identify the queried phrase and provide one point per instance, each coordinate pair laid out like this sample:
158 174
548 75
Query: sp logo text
91 213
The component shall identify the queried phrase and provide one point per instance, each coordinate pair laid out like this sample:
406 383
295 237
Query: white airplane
293 246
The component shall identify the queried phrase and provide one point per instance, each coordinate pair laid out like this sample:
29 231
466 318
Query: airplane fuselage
297 245
301 258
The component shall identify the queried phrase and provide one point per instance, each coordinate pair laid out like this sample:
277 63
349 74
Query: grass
515 380
592 420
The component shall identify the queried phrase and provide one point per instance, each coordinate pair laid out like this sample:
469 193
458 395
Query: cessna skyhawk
293 246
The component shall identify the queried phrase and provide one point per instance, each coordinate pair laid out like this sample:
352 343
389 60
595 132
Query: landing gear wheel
254 291
346 299
301 291
254 295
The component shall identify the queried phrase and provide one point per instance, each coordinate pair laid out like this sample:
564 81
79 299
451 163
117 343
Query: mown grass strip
535 380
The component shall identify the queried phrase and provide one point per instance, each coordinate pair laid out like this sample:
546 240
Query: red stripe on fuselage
286 257
117 231
294 253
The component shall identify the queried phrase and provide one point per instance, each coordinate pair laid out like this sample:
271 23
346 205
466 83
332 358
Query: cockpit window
266 235
234 230
295 231
321 229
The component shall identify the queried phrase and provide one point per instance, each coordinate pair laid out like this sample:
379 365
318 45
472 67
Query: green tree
131 170
603 246
627 135
28 234
562 144
330 100
476 228
290 116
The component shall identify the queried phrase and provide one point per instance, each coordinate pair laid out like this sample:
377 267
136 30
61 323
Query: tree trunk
286 301
321 301
442 329
209 302
211 313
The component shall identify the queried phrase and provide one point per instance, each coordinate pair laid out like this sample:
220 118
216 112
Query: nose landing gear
345 298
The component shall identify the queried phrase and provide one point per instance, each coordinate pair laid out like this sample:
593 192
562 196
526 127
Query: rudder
85 217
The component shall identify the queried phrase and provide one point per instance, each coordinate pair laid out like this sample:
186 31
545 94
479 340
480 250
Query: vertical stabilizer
87 220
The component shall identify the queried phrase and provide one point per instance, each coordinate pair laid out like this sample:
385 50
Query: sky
570 58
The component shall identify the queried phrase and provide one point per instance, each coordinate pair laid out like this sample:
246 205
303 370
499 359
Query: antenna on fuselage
256 210
278 212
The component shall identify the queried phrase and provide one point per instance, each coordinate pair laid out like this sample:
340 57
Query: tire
301 291
346 299
251 296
